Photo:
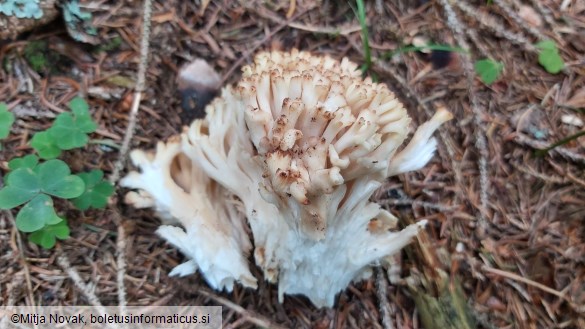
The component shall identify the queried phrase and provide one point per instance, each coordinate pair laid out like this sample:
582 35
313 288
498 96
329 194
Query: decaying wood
438 294
11 26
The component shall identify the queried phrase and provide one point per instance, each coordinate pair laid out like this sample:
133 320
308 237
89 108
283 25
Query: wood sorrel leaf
56 180
36 214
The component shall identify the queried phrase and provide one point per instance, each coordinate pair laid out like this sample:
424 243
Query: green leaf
91 178
66 134
44 144
56 180
430 46
96 192
83 119
24 178
29 161
488 70
551 61
361 16
36 214
547 45
46 237
70 130
11 197
549 57
43 239
79 106
21 186
6 120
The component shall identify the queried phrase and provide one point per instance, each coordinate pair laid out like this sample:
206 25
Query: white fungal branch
213 232
297 148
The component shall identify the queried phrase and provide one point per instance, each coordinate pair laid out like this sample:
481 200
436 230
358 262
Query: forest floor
505 221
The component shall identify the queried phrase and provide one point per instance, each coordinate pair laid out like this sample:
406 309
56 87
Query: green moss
113 44
43 59
35 54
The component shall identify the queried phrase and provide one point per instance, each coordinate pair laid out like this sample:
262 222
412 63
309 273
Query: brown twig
269 36
78 281
381 292
20 245
565 153
480 140
529 282
121 265
326 29
23 261
248 315
140 86
497 28
144 48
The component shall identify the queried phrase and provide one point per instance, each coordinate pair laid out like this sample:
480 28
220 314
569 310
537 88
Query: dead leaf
291 8
165 17
530 16
204 4
571 120
121 81
578 99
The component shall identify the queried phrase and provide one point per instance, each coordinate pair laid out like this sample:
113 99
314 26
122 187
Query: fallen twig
78 281
144 47
29 288
565 153
519 278
480 140
381 291
121 243
238 63
248 315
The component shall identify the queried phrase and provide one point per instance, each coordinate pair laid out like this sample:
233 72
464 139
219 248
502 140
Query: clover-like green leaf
488 70
45 145
551 61
36 214
11 197
21 186
96 192
48 235
69 131
91 178
30 161
79 106
55 179
6 120
547 45
66 133
549 57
